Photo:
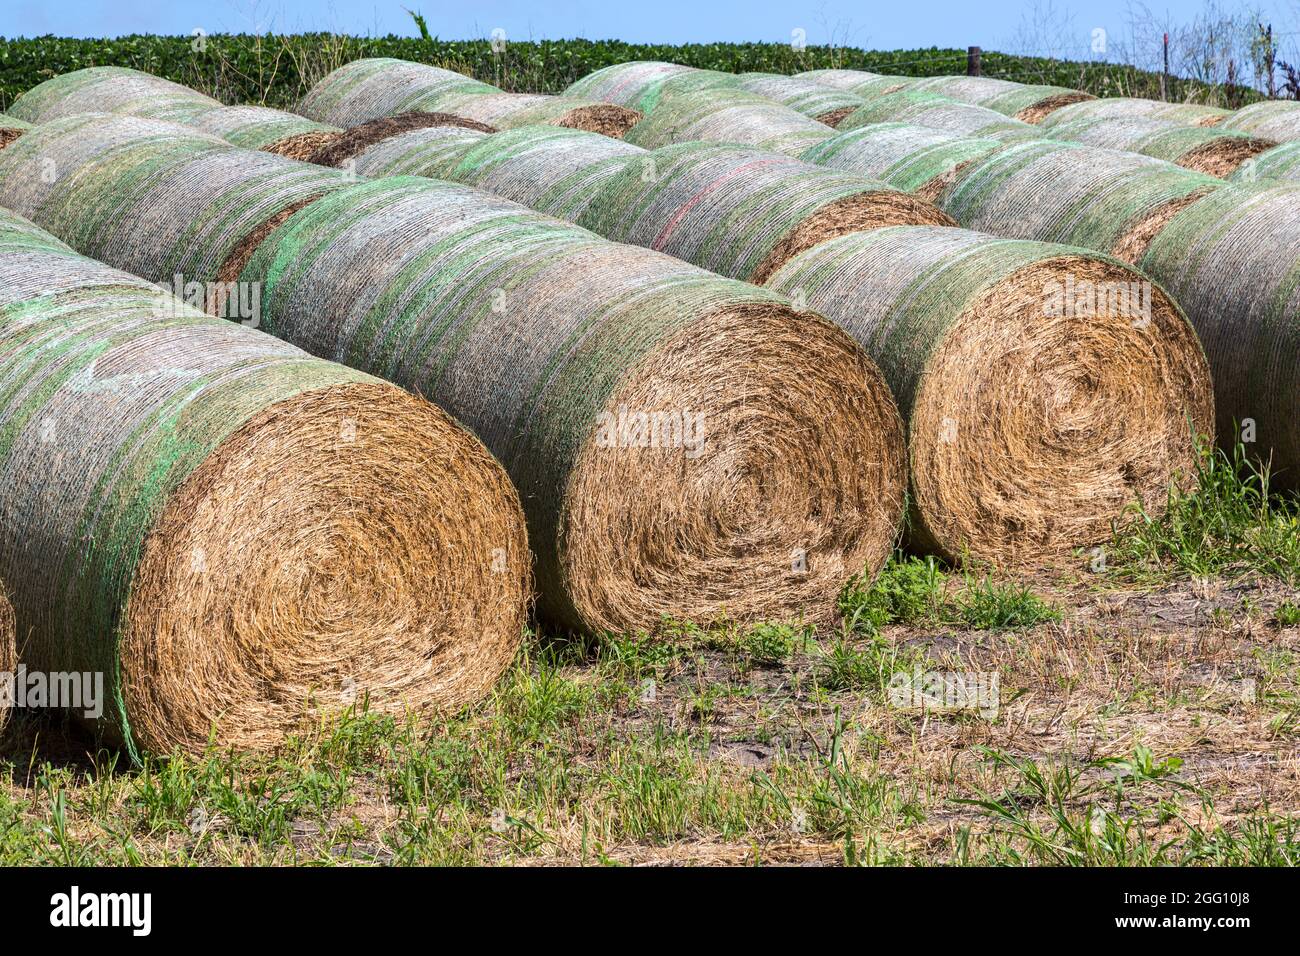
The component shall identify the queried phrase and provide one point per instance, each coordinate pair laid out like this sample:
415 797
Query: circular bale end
604 118
357 138
303 146
745 470
1035 113
856 213
1223 156
285 579
8 655
1032 432
1132 246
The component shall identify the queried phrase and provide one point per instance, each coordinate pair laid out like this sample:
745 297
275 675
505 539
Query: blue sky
1062 26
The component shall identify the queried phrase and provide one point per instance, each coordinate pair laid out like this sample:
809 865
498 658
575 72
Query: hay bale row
1233 261
1104 200
111 89
1282 163
1277 120
922 108
1130 107
1027 102
1210 150
1029 430
822 103
859 82
685 446
916 159
379 87
1048 454
233 535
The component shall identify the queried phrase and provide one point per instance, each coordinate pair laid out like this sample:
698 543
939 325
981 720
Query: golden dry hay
353 544
8 654
1035 415
303 146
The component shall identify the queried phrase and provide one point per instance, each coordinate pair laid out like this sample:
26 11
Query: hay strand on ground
1030 429
237 536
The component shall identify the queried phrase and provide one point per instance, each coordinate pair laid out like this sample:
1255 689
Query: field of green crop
277 69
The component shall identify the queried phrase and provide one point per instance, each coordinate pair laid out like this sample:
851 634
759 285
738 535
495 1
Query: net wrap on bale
823 103
1282 162
859 82
1033 422
728 116
1028 102
921 108
1233 261
1210 150
1099 199
1127 107
1270 119
111 89
228 532
260 127
635 84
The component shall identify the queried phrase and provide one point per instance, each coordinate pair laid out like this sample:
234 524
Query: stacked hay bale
686 446
1027 102
378 87
1233 261
1035 417
1270 119
111 89
1103 200
1128 107
226 536
940 305
1210 150
728 116
921 108
636 84
1282 162
275 131
859 82
916 159
823 103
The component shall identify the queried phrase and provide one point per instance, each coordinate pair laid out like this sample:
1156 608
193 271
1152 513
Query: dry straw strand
236 536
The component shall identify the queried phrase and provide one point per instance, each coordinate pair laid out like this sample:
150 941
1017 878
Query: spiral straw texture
1125 107
728 116
1213 151
916 159
1029 431
111 89
370 89
859 82
1282 162
1028 102
577 361
1233 261
1271 119
937 112
236 536
1099 199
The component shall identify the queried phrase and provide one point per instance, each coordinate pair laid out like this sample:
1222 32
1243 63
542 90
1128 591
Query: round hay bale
1032 422
635 84
937 112
375 87
1282 163
11 128
156 199
916 159
685 446
1128 107
111 89
1099 199
510 110
260 127
1027 102
742 213
728 116
1213 151
8 656
821 102
858 82
234 536
1270 119
555 171
1233 261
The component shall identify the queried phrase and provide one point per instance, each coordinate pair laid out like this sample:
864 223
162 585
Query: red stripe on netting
699 197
